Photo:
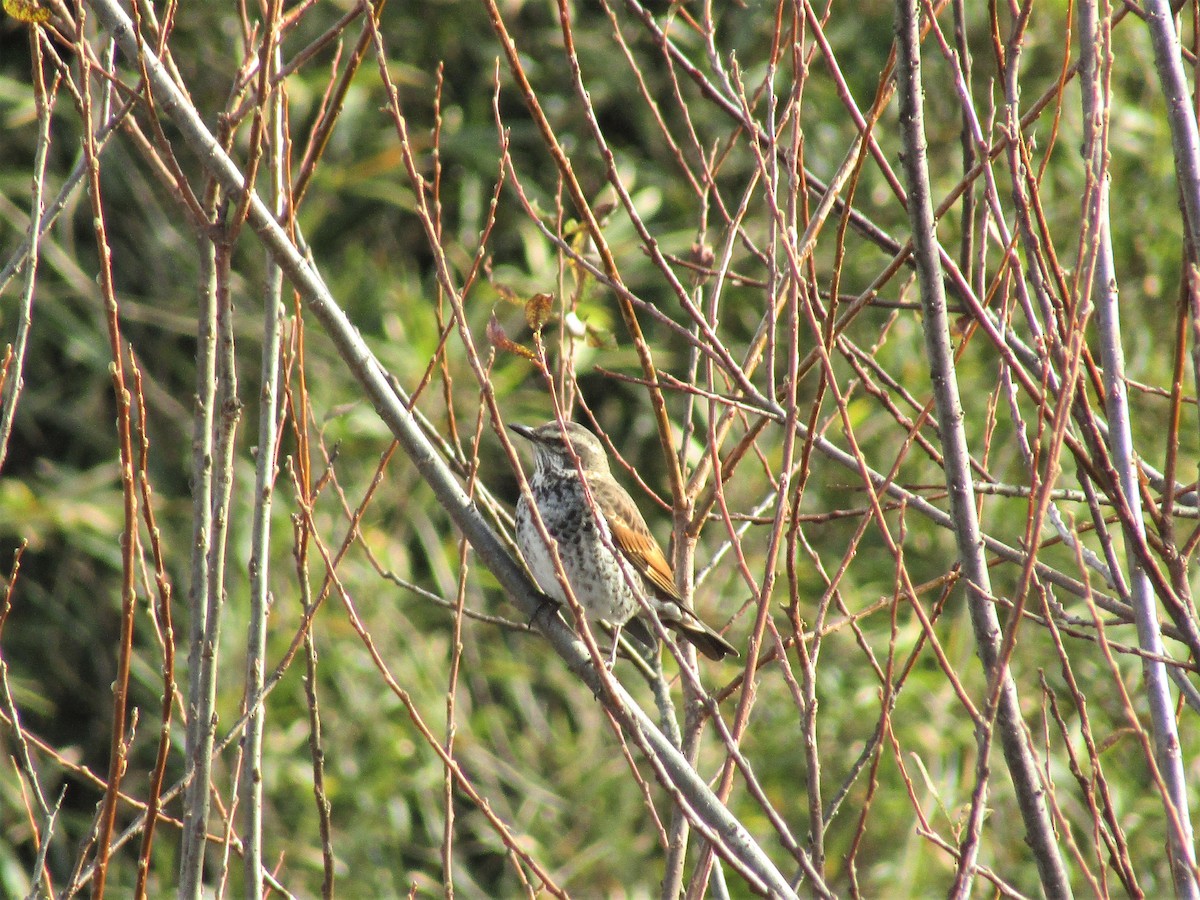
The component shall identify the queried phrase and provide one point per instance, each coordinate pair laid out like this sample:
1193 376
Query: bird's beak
524 431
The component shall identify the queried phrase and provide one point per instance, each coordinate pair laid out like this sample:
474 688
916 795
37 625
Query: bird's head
552 447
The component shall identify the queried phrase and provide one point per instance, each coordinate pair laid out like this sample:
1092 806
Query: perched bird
599 579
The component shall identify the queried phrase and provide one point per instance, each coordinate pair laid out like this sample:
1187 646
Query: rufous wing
632 536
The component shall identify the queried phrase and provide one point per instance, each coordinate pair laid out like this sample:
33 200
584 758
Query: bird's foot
547 605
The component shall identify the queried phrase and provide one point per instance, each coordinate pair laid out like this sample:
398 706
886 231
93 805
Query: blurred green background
532 739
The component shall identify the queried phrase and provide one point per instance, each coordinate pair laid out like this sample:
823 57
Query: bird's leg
612 657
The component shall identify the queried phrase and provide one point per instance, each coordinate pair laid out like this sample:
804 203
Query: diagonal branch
733 842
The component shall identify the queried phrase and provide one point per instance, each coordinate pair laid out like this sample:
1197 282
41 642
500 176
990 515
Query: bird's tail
703 638
683 622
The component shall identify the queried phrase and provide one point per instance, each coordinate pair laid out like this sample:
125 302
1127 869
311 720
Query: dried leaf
502 342
507 294
537 310
30 12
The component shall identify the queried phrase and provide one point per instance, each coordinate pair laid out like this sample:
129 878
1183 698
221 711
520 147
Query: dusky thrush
600 579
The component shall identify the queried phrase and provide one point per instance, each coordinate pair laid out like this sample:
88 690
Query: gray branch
1022 766
250 782
1098 244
